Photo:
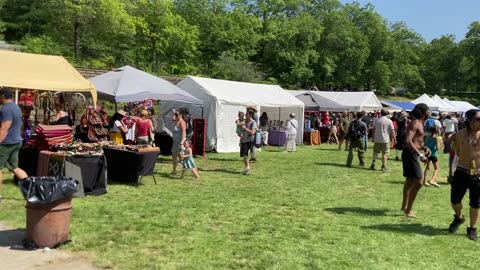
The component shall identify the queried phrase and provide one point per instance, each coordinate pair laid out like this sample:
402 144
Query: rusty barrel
49 224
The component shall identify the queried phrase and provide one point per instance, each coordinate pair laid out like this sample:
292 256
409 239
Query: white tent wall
354 101
165 113
224 99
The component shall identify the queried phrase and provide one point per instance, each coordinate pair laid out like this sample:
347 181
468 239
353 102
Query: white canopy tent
317 103
432 105
224 99
444 106
462 106
354 101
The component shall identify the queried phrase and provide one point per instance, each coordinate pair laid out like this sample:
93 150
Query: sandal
435 184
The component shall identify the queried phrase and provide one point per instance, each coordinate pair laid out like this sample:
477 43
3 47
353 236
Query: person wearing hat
292 126
432 121
10 135
253 151
144 127
117 129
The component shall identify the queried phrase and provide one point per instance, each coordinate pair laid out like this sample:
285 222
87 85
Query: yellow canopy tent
42 72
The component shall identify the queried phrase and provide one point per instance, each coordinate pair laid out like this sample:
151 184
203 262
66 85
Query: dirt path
34 260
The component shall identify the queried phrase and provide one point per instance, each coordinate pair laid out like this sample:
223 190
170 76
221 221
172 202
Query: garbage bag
47 189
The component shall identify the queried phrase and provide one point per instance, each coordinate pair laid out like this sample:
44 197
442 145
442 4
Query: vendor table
312 137
277 137
92 168
128 166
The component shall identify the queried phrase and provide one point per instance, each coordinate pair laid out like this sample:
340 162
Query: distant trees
296 43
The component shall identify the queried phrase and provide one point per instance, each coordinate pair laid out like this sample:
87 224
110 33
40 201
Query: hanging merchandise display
96 131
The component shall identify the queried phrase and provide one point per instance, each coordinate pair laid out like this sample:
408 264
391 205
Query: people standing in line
383 134
10 135
117 129
292 127
450 123
144 128
467 173
343 125
179 135
249 130
357 131
434 143
264 127
412 156
186 157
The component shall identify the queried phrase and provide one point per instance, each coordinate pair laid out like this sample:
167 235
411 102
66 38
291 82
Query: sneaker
246 172
253 160
384 169
362 165
396 159
372 167
456 223
472 234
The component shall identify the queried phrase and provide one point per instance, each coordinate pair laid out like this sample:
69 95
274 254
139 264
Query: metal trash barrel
48 225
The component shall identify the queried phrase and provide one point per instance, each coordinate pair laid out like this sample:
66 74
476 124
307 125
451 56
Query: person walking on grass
343 125
383 133
186 157
467 174
10 135
412 156
292 125
357 131
249 129
434 143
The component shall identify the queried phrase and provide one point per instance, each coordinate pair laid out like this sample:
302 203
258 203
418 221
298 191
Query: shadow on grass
358 210
395 182
221 171
342 165
11 237
421 229
329 149
226 159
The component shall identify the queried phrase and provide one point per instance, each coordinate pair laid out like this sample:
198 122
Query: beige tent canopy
41 72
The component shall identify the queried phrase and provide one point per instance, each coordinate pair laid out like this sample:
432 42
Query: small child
240 125
187 161
434 143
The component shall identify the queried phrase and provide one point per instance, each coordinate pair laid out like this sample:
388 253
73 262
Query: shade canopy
317 103
462 106
354 101
444 106
432 105
406 106
41 72
224 99
391 107
128 84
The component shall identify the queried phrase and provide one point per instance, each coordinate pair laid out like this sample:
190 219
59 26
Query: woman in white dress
292 126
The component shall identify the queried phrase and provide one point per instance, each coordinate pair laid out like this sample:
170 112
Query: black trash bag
47 189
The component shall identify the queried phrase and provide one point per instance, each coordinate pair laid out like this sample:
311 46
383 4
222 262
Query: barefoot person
467 174
412 156
10 138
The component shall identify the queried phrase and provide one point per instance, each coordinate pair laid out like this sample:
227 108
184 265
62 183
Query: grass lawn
301 210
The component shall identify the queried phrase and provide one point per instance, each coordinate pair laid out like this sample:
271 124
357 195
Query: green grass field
302 210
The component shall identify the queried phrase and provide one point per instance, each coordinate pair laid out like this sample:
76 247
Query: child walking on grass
434 143
187 161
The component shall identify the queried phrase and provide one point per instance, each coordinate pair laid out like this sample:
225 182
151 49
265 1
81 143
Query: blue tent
406 106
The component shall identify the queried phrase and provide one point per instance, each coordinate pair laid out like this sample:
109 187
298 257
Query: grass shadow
341 165
221 171
226 159
358 210
11 237
410 228
395 182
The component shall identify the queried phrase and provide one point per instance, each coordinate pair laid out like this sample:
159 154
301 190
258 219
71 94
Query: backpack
355 132
428 124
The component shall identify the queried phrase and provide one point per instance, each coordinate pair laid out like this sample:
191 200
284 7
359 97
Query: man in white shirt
383 134
450 124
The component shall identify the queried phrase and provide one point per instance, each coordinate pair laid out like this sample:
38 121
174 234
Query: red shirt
143 128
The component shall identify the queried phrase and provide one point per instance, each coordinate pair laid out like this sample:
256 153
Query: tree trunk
76 40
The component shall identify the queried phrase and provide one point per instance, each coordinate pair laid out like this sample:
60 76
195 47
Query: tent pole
16 96
116 110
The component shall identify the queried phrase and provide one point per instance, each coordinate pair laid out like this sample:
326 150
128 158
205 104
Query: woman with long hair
179 137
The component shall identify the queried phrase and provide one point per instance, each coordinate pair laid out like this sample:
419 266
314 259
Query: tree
229 68
472 49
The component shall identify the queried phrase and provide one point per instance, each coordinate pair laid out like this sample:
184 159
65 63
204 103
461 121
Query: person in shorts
383 134
412 156
249 130
10 135
467 173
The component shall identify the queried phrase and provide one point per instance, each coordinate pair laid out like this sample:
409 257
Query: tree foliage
296 43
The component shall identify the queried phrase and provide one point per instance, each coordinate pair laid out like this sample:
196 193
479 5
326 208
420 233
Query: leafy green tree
21 17
229 68
472 50
41 44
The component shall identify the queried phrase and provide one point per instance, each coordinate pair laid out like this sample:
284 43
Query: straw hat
122 112
144 112
292 115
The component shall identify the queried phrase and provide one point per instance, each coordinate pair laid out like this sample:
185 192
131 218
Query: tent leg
116 110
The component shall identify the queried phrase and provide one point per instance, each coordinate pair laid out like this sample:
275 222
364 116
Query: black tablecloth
93 173
28 160
127 166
